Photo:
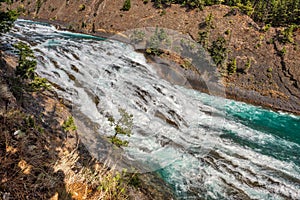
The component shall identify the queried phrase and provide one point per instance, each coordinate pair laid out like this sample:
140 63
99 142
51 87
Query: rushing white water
205 147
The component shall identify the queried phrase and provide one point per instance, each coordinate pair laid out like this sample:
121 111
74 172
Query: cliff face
267 67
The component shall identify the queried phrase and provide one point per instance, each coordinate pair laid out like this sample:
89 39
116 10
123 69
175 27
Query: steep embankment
267 67
41 156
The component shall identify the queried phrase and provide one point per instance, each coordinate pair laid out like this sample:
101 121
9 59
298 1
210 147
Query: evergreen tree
7 18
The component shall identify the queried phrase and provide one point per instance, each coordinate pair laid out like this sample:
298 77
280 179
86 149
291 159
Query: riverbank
42 156
266 68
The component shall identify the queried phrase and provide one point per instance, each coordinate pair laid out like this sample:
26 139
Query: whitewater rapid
205 147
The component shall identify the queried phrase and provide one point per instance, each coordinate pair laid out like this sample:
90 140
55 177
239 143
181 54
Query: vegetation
274 12
157 41
126 5
81 7
270 69
204 35
69 125
137 36
247 65
38 6
218 51
26 79
123 126
27 63
287 34
231 67
7 19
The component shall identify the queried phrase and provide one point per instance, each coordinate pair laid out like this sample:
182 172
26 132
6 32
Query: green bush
247 65
126 5
218 51
288 34
27 63
231 67
69 124
81 7
157 42
122 126
7 19
270 69
266 27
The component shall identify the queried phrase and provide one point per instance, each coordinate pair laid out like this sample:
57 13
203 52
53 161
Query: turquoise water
266 132
283 128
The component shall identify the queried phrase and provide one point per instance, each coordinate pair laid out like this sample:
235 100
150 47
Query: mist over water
205 147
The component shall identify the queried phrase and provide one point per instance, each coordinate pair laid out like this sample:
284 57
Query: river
205 147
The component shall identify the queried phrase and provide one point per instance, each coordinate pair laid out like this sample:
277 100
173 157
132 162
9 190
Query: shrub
282 51
247 65
6 20
82 7
288 34
266 27
137 36
157 42
126 5
270 69
218 51
69 124
231 67
122 126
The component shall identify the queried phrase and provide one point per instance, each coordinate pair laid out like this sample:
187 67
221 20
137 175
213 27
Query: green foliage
157 41
137 36
39 83
203 38
247 65
163 12
7 19
113 185
208 20
231 67
25 71
287 34
218 51
123 126
270 69
38 6
126 5
246 8
27 63
266 27
81 7
204 35
227 32
282 51
187 64
274 12
188 3
29 122
69 124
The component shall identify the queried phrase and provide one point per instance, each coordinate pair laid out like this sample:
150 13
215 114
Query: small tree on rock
123 126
